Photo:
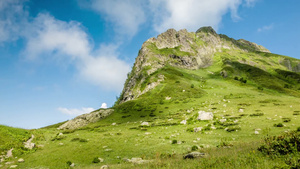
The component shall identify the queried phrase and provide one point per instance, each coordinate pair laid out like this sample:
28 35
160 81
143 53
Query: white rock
101 160
13 166
256 132
104 167
222 120
205 115
197 129
241 110
21 160
72 165
61 144
183 122
145 123
113 124
168 98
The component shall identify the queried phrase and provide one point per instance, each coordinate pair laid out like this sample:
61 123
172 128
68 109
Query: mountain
198 95
205 48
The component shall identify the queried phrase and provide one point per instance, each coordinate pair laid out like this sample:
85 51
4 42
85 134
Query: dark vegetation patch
288 143
256 114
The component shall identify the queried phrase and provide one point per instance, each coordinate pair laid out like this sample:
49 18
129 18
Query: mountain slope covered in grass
250 92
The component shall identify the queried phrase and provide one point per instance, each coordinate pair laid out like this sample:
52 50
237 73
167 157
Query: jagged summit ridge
189 50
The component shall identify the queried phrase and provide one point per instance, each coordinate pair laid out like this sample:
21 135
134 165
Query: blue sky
62 58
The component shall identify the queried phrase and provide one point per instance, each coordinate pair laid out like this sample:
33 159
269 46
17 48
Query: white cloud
51 35
75 112
103 106
250 3
265 28
125 15
13 18
191 14
68 40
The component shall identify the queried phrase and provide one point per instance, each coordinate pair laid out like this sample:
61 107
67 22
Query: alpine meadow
192 100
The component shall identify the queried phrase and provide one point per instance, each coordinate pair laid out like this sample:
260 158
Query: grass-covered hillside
254 98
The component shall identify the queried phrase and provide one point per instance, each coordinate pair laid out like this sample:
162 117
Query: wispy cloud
250 3
75 112
125 15
265 28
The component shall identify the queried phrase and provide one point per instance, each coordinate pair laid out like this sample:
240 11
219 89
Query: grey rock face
85 119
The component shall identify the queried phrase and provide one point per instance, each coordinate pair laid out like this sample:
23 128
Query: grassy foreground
251 115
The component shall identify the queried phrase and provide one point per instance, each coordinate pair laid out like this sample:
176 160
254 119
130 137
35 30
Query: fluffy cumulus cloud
191 14
48 35
75 112
125 15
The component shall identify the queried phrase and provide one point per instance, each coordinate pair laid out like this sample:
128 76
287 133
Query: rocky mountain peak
188 50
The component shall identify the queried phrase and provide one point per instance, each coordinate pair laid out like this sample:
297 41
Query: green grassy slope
188 91
250 93
12 138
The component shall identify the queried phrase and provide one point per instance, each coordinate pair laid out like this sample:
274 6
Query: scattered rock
108 150
113 124
104 167
72 165
193 155
138 161
10 162
21 160
145 123
61 144
60 134
147 133
256 132
9 153
13 166
183 122
28 144
197 129
205 115
241 110
168 98
222 120
101 160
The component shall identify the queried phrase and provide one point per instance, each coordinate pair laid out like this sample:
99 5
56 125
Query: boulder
205 115
193 155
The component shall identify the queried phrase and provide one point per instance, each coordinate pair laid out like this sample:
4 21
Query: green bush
286 120
298 129
174 141
96 160
288 143
68 163
257 114
192 85
194 148
278 125
190 129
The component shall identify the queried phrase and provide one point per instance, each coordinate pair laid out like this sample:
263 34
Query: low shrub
194 148
278 125
288 143
231 129
96 160
286 120
257 114
174 141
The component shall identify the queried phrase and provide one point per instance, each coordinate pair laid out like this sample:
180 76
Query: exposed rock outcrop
85 119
